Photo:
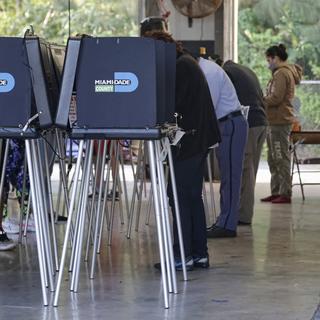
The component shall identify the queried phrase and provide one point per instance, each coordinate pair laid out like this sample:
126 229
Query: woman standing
280 115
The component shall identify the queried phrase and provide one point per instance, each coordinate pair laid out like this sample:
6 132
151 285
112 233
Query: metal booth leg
152 163
149 207
3 171
62 170
23 199
135 190
295 159
44 214
100 162
98 215
36 219
50 198
171 271
125 189
177 211
68 228
82 214
213 207
115 183
141 174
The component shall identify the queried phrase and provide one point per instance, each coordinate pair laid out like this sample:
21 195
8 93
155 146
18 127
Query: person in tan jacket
280 115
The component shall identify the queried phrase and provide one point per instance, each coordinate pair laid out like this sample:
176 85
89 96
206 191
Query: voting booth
120 88
15 83
123 85
29 89
28 86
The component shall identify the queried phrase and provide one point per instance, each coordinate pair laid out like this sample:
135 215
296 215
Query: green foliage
310 102
50 18
253 41
292 22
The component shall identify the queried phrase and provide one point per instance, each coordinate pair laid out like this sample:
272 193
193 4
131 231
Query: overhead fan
196 8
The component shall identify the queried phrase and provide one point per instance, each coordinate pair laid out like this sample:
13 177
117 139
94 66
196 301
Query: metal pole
23 198
177 212
165 222
124 184
76 271
36 220
141 175
3 171
113 196
98 216
213 207
62 170
135 189
70 214
149 207
153 174
105 211
205 199
27 216
43 213
94 181
50 197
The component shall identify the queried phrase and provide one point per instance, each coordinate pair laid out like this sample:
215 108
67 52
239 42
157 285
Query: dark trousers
189 178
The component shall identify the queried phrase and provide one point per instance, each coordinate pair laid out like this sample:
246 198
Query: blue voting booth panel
15 83
29 83
122 83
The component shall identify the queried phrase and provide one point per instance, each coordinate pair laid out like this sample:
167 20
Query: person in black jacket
197 118
249 94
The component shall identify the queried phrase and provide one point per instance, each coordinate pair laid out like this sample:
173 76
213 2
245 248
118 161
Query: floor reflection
270 271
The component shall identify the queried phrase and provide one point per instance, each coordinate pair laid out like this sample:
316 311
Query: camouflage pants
279 161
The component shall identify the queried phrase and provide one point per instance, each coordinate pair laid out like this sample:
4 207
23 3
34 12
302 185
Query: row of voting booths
124 88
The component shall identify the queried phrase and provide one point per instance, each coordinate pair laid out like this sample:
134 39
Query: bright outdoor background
262 23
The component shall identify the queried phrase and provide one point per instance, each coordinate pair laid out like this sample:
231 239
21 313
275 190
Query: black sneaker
6 243
96 196
218 232
110 195
243 223
178 264
201 262
60 219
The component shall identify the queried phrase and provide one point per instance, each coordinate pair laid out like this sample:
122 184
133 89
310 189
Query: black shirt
249 92
194 104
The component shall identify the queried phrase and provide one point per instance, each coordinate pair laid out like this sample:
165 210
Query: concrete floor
269 272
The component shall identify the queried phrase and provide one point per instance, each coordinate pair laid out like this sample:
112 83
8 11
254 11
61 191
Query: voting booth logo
122 82
7 82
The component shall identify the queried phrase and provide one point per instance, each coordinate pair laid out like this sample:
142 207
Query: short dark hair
279 51
152 24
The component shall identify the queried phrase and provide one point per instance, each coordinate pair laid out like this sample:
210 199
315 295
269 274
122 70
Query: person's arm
278 90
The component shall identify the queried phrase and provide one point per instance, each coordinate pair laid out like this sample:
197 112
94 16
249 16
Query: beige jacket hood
280 93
